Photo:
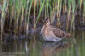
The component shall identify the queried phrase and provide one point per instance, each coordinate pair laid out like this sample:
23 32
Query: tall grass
20 11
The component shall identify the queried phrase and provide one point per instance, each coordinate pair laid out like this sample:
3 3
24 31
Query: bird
52 33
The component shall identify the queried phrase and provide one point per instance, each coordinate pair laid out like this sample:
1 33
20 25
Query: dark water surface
72 47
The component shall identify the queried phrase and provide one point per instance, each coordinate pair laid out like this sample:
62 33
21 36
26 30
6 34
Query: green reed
84 11
4 10
73 13
59 6
28 9
40 10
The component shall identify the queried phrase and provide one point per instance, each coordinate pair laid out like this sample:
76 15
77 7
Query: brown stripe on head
47 21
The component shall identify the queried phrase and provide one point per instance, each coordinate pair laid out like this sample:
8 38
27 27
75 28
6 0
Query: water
70 47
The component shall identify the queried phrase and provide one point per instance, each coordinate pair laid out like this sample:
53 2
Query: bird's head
47 21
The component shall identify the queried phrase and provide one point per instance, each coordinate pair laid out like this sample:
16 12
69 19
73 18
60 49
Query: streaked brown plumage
52 33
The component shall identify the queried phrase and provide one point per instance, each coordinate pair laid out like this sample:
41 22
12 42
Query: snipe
52 33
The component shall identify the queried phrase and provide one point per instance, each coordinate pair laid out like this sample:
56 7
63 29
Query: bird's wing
58 32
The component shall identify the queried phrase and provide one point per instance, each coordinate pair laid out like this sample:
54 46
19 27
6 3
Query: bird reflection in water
51 48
